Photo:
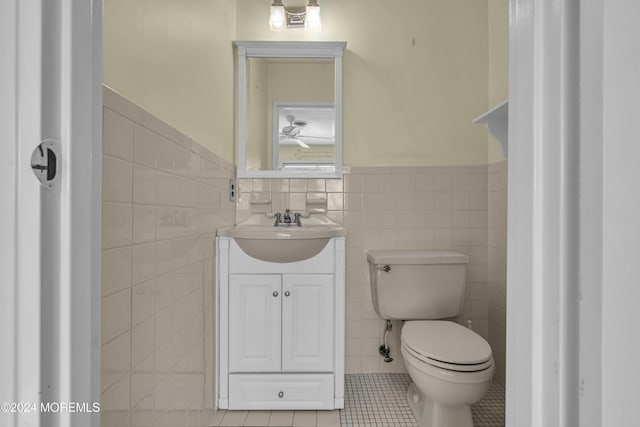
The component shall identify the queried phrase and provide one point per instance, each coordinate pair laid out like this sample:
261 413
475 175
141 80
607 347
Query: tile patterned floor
277 418
371 400
376 400
489 412
379 400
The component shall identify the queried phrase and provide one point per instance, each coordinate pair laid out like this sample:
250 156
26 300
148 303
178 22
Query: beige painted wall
415 76
498 63
174 59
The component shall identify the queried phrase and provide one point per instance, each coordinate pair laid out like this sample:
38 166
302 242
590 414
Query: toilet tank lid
415 256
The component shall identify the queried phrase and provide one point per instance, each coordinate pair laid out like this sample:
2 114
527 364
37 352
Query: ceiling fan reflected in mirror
290 133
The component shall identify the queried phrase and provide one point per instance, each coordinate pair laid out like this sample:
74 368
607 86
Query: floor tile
373 400
234 418
328 419
281 418
379 400
489 412
304 419
217 418
257 418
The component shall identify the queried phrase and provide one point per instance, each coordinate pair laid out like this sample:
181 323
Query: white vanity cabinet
281 330
281 323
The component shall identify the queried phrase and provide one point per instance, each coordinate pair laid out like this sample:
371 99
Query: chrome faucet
278 220
285 220
287 217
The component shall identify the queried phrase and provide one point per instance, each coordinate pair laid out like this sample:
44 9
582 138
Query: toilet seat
446 345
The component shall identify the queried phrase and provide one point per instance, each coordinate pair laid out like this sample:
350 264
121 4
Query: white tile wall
394 207
163 198
497 264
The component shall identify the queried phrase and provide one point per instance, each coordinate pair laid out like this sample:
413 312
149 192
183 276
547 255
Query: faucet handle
278 217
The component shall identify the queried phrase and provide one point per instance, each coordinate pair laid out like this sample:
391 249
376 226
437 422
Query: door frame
20 210
573 213
543 202
81 70
50 263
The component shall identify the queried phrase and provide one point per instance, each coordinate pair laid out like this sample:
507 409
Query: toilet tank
417 283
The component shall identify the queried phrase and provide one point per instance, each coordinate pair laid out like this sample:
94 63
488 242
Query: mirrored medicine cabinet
289 109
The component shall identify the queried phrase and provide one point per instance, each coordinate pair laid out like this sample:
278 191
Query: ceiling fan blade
301 142
317 137
292 138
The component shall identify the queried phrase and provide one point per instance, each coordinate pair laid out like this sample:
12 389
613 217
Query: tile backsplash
497 265
163 198
391 207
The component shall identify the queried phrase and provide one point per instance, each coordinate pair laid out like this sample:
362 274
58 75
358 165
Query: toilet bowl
450 365
451 368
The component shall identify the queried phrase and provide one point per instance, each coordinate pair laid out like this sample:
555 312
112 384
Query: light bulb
312 21
278 19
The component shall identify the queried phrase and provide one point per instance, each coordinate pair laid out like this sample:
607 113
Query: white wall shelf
497 121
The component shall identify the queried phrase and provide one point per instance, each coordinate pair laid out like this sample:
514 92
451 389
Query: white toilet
450 365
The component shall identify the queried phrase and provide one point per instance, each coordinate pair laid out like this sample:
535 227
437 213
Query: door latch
45 162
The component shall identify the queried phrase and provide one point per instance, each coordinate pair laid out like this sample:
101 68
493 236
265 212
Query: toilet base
430 414
416 401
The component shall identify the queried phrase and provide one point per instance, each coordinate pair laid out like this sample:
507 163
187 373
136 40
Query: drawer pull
281 394
287 293
275 293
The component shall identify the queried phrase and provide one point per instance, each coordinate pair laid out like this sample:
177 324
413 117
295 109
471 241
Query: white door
254 323
20 255
307 323
50 90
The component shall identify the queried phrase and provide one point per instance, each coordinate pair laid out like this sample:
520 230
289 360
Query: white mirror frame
285 49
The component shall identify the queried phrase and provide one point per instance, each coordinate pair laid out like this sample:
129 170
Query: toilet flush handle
385 268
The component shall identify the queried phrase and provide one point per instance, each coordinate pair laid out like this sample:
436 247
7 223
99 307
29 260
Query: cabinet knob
275 293
287 293
281 394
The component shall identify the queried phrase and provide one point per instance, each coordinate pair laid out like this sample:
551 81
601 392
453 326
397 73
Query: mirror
289 118
304 136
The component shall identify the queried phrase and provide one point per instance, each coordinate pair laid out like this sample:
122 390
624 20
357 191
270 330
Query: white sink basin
260 239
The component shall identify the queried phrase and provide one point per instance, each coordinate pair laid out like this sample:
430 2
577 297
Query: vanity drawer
281 391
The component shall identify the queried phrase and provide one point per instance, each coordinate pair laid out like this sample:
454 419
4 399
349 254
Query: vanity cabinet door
254 323
307 323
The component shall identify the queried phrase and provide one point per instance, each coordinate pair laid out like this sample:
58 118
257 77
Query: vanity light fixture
283 17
